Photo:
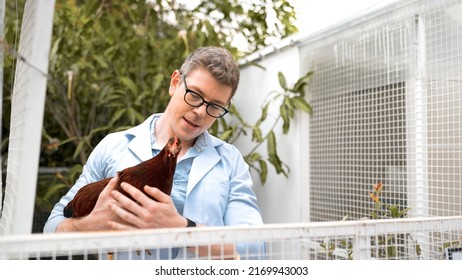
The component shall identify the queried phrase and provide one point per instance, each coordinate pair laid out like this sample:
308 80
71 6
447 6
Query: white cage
386 93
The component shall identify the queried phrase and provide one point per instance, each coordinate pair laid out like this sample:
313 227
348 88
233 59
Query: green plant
390 211
342 249
382 246
290 100
386 244
51 186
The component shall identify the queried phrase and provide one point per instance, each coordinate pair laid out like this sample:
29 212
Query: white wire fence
386 95
396 239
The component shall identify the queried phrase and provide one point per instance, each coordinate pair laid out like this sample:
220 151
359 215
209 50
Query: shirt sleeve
242 208
92 171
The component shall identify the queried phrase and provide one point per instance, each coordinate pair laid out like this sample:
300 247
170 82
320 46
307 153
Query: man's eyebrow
201 93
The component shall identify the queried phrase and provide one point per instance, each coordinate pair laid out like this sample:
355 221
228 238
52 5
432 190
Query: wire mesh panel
28 104
399 239
386 94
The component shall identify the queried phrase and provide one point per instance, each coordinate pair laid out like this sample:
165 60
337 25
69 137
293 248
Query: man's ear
174 82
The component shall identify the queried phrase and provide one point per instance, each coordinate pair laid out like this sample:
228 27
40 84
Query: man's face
188 122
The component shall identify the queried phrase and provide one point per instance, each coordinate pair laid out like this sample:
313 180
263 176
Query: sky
315 15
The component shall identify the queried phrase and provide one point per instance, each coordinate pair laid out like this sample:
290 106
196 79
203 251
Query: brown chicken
156 172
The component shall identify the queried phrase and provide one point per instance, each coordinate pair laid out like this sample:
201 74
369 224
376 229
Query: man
212 185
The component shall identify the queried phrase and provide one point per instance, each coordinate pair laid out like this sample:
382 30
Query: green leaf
285 118
298 87
300 103
126 81
223 124
257 134
394 211
134 116
282 81
101 61
271 145
158 81
52 190
264 114
403 212
272 154
391 252
276 162
98 129
263 171
233 110
227 134
78 149
117 115
55 48
290 106
418 250
374 215
254 157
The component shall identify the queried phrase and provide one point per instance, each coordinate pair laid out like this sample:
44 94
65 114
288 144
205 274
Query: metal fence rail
400 239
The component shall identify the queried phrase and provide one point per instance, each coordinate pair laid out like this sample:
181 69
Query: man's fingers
157 194
111 185
141 197
119 226
123 214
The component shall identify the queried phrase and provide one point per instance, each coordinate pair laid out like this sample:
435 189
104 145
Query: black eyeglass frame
187 90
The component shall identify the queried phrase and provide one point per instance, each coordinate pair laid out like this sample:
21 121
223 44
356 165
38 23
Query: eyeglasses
195 100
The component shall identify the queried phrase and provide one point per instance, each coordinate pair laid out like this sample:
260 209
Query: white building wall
280 197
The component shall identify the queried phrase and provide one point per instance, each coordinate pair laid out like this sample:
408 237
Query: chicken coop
375 169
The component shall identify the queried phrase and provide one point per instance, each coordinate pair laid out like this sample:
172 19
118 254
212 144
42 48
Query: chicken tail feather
68 211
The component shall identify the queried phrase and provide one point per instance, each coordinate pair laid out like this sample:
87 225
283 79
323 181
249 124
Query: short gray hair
217 61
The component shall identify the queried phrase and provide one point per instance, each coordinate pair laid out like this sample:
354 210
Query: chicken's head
173 146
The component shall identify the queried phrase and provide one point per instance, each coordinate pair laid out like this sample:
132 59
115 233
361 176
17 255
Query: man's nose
201 110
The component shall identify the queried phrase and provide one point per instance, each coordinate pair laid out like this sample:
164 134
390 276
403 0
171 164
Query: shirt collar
199 145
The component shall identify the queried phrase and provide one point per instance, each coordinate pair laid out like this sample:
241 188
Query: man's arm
99 217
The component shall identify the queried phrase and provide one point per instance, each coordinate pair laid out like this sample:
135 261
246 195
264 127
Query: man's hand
145 212
159 213
99 217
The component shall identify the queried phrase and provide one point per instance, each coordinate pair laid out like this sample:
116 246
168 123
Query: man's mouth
190 122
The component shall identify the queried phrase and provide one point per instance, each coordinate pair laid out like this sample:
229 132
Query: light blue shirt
212 184
183 167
